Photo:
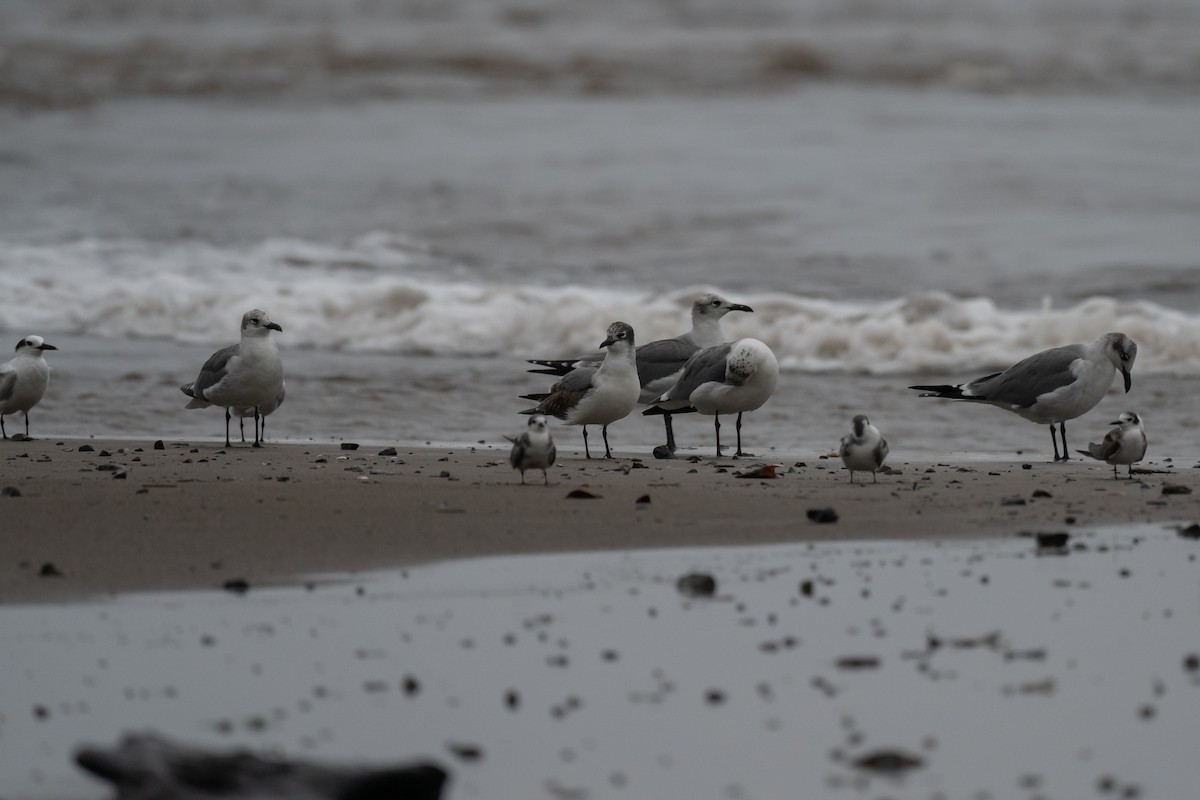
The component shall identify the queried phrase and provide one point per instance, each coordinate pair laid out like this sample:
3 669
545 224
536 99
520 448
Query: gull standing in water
23 379
864 449
248 373
1124 444
660 362
596 395
533 449
726 379
1051 386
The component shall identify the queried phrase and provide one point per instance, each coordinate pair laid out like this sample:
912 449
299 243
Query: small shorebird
1124 444
247 374
726 379
533 449
23 379
660 362
864 449
596 395
1051 386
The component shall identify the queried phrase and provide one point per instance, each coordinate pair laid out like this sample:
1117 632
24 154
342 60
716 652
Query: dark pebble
236 586
388 451
1027 466
1041 493
1056 539
1191 662
349 446
48 570
1175 488
581 494
1190 532
806 588
10 491
822 515
889 761
696 584
1012 501
410 685
86 448
465 752
644 500
858 662
158 445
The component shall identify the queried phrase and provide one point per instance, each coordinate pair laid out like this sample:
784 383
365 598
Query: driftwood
149 767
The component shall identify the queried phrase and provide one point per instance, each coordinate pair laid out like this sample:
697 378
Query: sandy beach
125 517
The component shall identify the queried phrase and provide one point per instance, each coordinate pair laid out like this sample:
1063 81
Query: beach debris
150 767
1191 531
85 448
893 762
1041 493
1013 500
696 584
158 445
236 585
581 494
806 587
761 471
387 451
410 685
822 515
858 662
48 570
644 500
1176 488
1056 540
464 751
349 445
10 491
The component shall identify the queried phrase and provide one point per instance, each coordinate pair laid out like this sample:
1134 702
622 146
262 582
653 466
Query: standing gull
248 373
659 362
533 449
596 395
726 379
1124 444
864 449
23 380
1051 386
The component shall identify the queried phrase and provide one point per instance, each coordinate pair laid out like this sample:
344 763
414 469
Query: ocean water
424 194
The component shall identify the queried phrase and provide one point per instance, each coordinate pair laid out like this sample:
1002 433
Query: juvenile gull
533 449
1124 444
596 395
264 411
726 379
659 362
248 373
23 379
1051 386
864 449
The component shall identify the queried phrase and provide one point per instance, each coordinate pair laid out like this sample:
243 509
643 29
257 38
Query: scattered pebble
236 586
10 491
888 761
822 515
48 570
696 584
1176 488
158 445
581 494
349 446
387 451
86 448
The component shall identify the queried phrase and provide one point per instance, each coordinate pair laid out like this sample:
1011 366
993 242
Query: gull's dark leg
586 452
604 433
242 428
227 426
670 432
717 428
1054 441
26 424
1062 431
545 477
257 440
2 431
739 437
1117 475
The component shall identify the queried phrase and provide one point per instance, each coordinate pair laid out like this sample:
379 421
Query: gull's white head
746 357
33 346
619 332
257 323
1122 351
714 306
537 424
1128 418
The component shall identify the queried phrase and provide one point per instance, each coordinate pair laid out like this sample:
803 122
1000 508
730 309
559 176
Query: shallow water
1005 670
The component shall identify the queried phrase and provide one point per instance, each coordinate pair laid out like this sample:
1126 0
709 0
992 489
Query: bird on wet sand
248 373
863 449
659 362
533 448
1052 386
23 380
730 378
596 395
1123 444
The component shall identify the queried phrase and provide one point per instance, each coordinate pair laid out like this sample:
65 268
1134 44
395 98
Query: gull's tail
1094 451
196 402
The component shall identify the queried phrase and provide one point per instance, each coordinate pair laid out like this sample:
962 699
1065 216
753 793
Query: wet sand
125 517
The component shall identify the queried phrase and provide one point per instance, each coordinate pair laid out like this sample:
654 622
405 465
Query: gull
23 379
1051 386
596 395
864 449
727 379
533 449
248 373
660 362
1124 444
264 410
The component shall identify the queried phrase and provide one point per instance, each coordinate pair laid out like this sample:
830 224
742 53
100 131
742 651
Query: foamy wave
377 294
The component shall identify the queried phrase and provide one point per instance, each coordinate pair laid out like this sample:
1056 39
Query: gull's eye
716 303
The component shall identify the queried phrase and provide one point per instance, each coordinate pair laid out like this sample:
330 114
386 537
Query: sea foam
381 293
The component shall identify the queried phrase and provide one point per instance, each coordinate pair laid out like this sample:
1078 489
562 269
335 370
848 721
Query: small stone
1053 540
158 445
387 451
48 570
581 494
806 588
1041 493
822 515
10 491
858 662
1175 488
889 761
1027 466
349 446
236 586
86 448
465 752
644 500
1190 532
1012 501
696 584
